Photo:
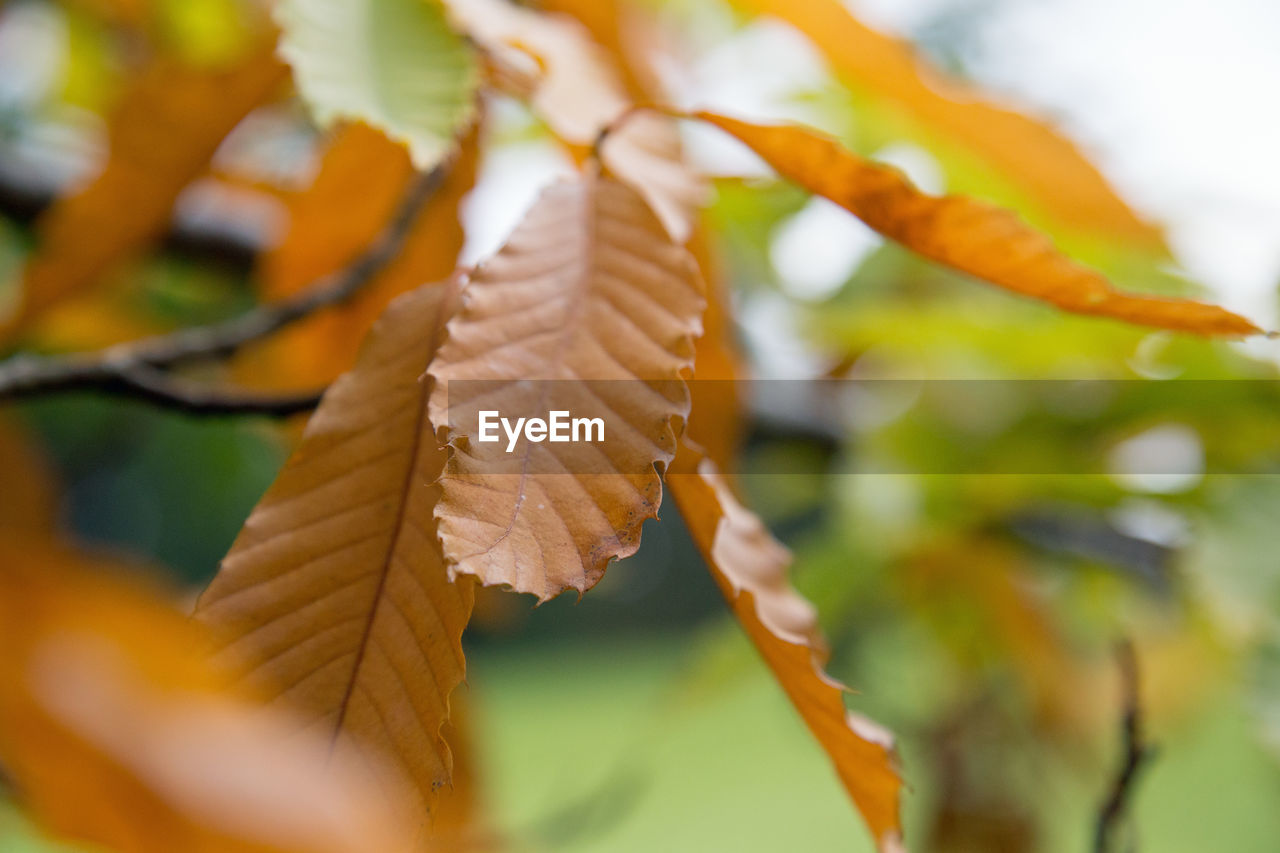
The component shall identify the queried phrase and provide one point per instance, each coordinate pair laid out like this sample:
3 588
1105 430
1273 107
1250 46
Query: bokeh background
976 616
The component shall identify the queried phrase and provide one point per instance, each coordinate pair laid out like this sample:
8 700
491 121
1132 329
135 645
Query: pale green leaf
393 64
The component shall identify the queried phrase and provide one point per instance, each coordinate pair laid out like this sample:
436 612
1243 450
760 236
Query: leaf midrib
398 525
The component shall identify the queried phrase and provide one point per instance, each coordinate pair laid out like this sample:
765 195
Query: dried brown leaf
335 595
971 236
715 424
750 567
591 309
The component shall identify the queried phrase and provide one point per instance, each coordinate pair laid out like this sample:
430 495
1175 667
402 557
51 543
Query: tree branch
1136 753
151 385
137 369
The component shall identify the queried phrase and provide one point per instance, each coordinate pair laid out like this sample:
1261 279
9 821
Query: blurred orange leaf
750 567
589 290
161 136
335 595
361 181
114 733
971 236
1030 152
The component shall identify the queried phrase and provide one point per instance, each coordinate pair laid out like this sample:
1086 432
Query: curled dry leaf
750 567
589 309
715 422
114 731
459 823
1041 160
971 236
362 179
160 138
644 150
579 94
624 30
335 596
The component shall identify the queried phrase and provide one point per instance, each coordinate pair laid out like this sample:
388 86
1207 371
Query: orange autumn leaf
114 733
1030 152
716 422
357 187
750 568
335 596
160 137
970 236
589 308
362 179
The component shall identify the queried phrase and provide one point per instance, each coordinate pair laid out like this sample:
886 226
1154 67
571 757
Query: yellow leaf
971 236
115 734
591 309
335 596
160 137
361 181
1028 151
750 568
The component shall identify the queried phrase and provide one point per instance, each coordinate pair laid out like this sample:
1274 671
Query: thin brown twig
137 369
149 384
1136 754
